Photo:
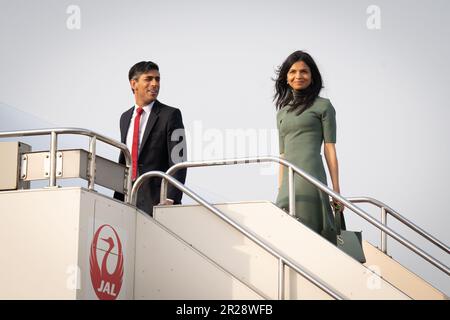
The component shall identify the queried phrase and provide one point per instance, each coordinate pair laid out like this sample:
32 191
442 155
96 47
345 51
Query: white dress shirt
142 125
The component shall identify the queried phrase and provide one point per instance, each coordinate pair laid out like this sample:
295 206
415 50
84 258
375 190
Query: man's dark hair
304 98
140 68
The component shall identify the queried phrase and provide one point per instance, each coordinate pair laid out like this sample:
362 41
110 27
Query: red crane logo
106 285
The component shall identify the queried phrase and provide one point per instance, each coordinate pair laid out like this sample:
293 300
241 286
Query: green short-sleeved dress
301 139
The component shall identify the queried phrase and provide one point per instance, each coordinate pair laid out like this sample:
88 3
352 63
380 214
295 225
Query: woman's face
299 76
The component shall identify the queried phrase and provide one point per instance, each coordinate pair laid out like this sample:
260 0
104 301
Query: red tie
135 147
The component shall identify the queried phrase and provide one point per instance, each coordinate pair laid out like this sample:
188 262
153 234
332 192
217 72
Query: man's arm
176 146
118 195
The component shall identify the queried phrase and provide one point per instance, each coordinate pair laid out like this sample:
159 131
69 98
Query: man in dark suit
154 134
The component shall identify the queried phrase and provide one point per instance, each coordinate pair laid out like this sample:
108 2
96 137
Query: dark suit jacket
155 152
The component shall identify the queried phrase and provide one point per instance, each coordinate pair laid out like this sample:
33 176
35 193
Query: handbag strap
337 220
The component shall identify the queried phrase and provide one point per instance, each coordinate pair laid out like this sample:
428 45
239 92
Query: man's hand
168 202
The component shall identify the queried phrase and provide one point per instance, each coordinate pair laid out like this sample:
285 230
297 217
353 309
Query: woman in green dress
304 121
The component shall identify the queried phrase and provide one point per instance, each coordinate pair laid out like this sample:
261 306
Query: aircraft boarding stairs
75 243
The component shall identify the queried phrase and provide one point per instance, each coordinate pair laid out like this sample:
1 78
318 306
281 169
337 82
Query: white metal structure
74 243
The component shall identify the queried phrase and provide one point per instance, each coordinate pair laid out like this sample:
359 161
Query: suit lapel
150 123
125 125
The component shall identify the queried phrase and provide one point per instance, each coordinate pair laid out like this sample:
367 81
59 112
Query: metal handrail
315 182
282 260
385 209
54 132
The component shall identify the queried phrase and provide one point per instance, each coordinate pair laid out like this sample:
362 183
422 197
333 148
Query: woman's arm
333 165
280 177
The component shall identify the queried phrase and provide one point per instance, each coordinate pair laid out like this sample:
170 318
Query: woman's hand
338 206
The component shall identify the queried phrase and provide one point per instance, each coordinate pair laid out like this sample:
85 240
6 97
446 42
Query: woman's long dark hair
302 99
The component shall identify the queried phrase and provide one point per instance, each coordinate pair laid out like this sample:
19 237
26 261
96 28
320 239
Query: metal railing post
281 295
53 148
92 151
291 192
129 186
383 234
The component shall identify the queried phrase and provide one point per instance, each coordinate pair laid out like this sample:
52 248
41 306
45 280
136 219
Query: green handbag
348 241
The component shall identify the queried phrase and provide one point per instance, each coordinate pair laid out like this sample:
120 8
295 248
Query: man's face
146 87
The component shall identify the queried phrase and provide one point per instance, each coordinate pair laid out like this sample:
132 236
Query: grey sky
217 58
